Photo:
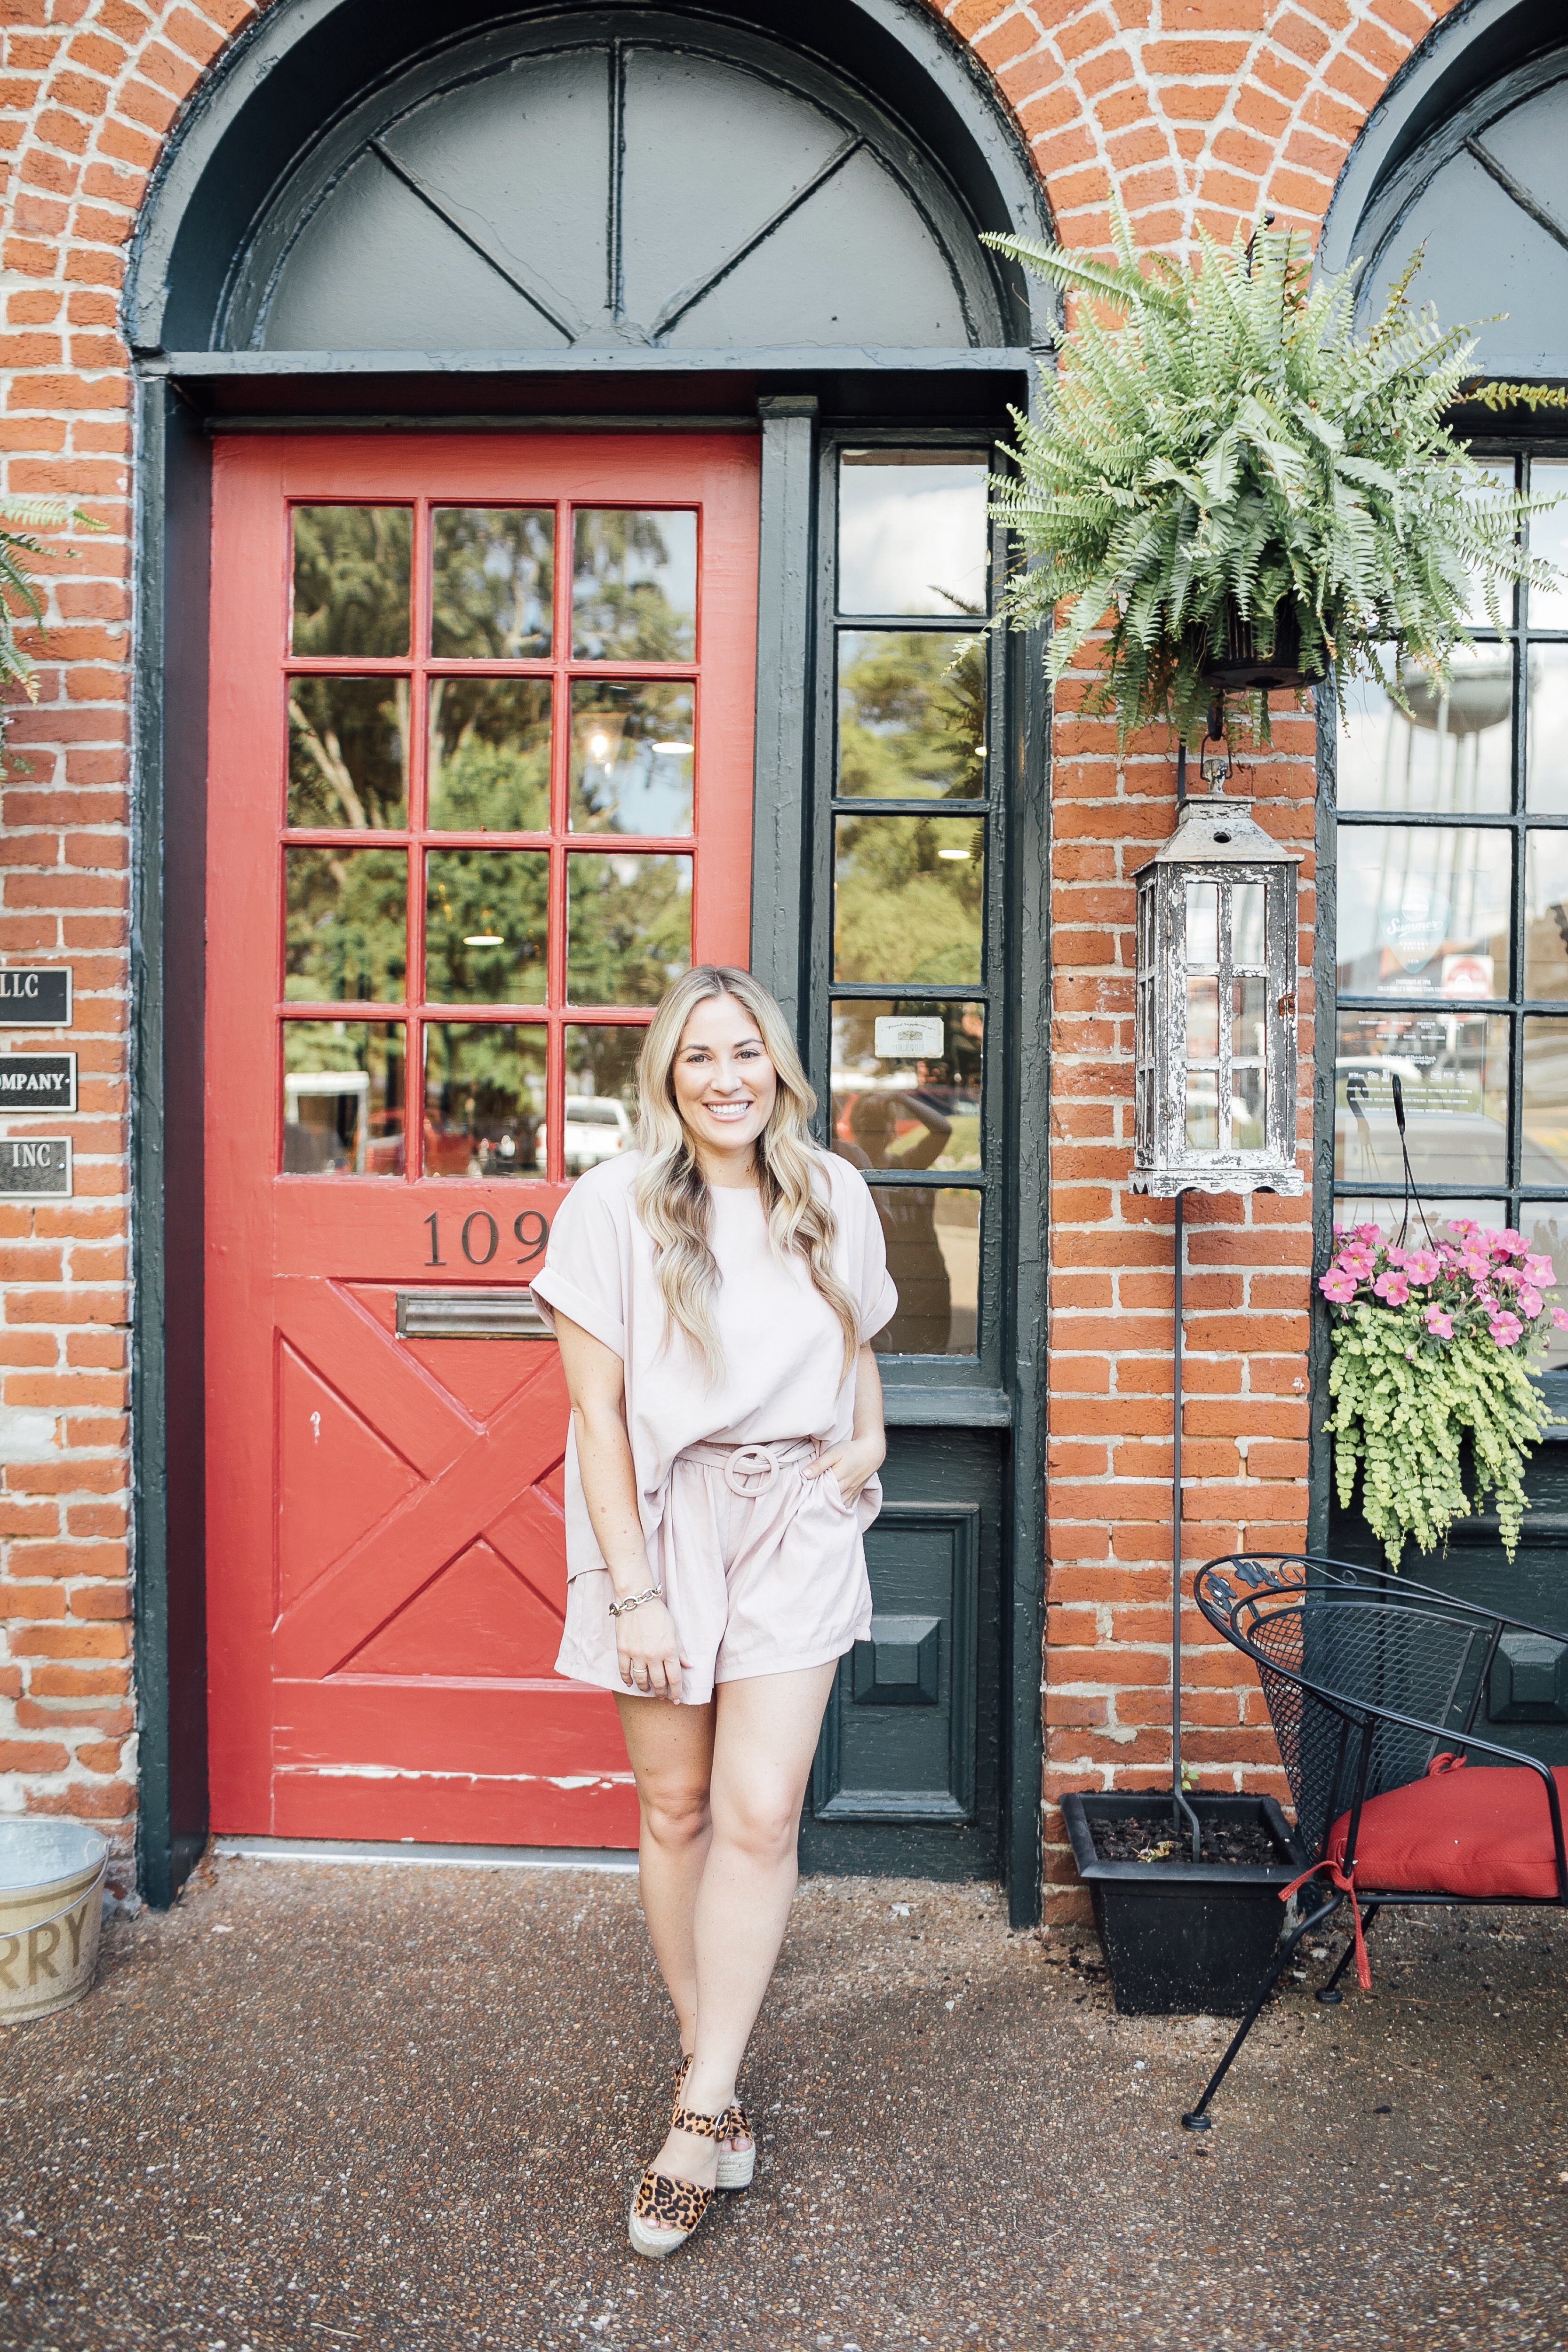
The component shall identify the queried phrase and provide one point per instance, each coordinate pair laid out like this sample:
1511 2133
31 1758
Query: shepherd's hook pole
1179 1805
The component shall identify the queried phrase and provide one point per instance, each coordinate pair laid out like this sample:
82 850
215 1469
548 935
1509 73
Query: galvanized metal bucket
51 1910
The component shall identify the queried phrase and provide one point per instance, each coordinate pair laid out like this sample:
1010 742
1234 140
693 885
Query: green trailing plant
1498 397
1433 1346
18 589
1224 447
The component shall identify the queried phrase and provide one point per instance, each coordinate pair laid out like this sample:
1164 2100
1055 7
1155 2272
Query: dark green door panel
906 1776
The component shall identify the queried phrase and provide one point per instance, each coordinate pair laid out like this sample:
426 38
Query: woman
714 1294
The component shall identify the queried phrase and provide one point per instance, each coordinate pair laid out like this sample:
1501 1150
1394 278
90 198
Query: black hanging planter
1233 662
1183 1936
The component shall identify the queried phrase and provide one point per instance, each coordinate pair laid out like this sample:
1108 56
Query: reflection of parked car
464 1150
595 1130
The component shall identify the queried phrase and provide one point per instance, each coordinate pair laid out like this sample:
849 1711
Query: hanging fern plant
1431 1346
1224 460
19 589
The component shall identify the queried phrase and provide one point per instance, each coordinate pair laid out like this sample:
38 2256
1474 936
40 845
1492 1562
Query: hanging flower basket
1240 492
1434 1347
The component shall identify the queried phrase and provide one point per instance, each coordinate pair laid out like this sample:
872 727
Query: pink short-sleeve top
782 1345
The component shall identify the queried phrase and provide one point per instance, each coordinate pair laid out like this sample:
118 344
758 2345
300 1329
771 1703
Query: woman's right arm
645 1645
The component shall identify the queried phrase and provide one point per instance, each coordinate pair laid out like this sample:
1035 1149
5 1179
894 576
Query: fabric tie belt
750 1470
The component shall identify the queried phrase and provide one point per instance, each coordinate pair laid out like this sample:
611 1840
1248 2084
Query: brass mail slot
469 1315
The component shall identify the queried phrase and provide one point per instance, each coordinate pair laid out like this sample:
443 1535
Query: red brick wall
1200 111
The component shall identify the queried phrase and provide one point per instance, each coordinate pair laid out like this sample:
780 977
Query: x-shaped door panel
473 1475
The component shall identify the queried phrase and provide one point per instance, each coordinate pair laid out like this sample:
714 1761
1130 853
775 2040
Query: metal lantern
1215 1028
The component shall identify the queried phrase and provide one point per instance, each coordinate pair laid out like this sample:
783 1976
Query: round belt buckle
749 1470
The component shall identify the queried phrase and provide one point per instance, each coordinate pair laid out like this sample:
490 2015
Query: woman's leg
763 1743
671 1752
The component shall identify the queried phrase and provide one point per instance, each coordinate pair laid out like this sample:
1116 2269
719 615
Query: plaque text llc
32 996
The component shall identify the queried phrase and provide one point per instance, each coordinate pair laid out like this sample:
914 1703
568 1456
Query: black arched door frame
212 185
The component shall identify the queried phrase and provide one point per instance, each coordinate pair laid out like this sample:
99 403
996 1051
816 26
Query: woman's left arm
861 1455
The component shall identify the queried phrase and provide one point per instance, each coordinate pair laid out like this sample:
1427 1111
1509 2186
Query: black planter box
1178 1936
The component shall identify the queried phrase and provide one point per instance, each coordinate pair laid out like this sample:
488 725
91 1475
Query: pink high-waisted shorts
763 1571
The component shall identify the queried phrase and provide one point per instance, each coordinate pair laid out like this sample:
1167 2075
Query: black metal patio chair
1374 1685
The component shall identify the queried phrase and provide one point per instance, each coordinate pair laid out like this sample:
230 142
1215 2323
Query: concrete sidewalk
330 2107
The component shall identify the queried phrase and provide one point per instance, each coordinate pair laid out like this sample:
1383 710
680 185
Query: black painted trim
167 980
1320 1352
782 760
1028 1344
935 359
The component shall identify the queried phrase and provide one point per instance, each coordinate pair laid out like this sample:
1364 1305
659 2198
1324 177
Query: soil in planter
1155 1840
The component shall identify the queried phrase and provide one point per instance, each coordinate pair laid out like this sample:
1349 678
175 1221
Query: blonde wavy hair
672 1194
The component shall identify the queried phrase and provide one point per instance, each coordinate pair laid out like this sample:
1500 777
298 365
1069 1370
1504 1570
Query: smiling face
725 1087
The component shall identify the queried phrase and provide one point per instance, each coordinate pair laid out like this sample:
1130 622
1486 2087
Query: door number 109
481 1236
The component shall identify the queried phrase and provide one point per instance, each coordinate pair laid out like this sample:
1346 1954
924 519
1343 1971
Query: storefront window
1452 951
910 983
484 812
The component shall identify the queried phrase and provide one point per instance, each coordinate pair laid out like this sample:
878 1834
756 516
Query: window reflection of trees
348 753
911 715
629 927
910 900
490 749
490 755
351 572
346 937
631 756
492 582
485 924
633 586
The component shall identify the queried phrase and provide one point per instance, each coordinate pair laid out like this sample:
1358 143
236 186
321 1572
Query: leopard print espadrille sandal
737 2165
675 2206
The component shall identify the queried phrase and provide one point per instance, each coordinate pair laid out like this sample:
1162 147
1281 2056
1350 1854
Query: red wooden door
480 783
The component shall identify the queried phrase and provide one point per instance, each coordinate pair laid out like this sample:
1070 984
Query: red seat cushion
1476 1833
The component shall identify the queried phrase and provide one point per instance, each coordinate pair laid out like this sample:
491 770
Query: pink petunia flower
1505 1328
1392 1288
1359 1262
1530 1301
1463 1225
1506 1276
1338 1286
1541 1270
1441 1325
1371 1235
1396 1256
1421 1266
1475 1264
1559 1318
1505 1243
